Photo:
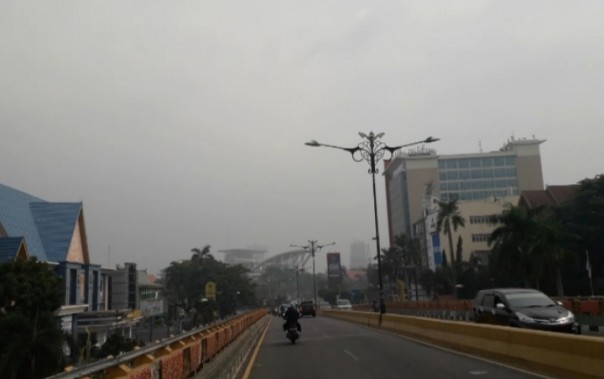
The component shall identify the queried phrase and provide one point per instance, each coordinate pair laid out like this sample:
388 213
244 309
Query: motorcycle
292 333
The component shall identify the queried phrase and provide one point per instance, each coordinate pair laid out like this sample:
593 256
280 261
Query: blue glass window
452 175
500 172
442 164
454 186
444 186
464 174
477 185
476 174
475 162
451 163
510 171
487 162
464 163
499 161
510 161
501 183
487 173
513 183
442 176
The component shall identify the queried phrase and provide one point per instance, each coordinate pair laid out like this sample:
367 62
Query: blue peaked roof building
49 228
12 247
53 232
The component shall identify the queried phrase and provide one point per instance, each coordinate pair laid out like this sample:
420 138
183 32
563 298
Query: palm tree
516 242
449 218
200 254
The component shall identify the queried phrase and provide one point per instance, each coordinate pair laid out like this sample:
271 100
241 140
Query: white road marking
351 355
479 372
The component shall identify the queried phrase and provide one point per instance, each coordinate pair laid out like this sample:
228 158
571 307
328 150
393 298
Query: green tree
200 254
554 252
115 345
515 242
447 221
582 219
32 339
186 280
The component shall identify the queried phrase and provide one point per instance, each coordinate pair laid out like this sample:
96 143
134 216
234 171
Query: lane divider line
250 364
351 355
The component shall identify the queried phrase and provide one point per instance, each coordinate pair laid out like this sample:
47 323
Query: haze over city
180 125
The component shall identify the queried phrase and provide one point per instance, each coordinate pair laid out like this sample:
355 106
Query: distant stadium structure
255 261
288 259
248 258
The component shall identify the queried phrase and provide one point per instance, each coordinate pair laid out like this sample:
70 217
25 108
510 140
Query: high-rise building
359 255
506 172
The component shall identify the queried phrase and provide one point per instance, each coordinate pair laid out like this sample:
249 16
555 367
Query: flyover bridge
356 344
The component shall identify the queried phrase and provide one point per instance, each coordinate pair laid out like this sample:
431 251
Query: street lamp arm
392 149
351 150
301 247
319 247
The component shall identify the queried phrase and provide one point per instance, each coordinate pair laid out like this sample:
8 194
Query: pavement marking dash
351 355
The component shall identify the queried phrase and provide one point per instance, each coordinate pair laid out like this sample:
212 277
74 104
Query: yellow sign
211 291
135 314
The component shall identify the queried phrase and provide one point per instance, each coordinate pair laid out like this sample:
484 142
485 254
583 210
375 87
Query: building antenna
480 146
109 256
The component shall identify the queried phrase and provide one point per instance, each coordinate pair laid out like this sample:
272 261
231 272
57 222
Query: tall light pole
313 246
298 271
372 150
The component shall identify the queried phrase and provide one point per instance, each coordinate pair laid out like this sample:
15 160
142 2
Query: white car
344 304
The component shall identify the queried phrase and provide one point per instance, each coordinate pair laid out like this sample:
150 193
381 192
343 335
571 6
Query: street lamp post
298 271
372 150
313 247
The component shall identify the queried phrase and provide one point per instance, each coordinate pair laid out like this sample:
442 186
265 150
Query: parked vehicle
343 304
324 305
523 308
307 308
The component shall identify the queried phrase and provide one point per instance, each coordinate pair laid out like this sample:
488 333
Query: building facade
483 183
359 255
467 177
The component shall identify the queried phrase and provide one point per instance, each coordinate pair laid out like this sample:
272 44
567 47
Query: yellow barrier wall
558 354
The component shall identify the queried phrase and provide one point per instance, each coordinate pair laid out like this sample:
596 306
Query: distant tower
359 255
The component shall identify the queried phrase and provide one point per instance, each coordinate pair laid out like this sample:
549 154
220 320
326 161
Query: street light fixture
313 247
372 150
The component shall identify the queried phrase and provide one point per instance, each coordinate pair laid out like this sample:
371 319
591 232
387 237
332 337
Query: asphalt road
331 349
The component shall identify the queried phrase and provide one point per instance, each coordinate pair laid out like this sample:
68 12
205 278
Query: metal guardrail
104 364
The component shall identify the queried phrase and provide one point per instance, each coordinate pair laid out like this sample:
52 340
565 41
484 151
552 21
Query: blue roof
9 248
56 223
47 227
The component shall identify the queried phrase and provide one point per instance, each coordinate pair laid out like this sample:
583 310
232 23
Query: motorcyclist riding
291 316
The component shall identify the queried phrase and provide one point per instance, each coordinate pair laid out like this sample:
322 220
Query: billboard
438 255
333 265
152 308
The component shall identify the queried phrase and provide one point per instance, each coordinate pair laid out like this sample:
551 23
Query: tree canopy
186 280
32 339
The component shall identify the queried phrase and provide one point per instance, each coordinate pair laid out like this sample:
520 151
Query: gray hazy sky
182 123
